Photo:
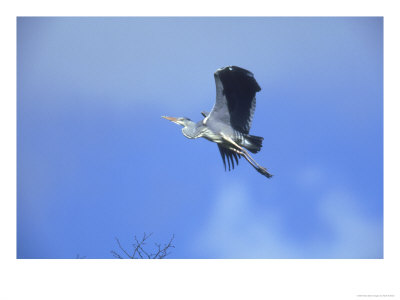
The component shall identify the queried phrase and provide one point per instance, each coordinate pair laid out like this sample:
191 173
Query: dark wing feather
230 155
236 101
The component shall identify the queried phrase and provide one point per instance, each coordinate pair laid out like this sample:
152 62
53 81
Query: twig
139 250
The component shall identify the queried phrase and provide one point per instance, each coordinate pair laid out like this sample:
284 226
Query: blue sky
96 161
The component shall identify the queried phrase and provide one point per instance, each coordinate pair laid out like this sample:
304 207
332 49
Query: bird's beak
172 119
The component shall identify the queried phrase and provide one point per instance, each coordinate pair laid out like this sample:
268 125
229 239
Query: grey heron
228 124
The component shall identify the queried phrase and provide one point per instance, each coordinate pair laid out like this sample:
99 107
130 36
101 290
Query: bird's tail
253 143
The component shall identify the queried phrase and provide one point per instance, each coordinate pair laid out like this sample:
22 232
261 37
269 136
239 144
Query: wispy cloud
355 234
236 228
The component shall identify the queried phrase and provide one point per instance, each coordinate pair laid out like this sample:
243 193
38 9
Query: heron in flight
228 124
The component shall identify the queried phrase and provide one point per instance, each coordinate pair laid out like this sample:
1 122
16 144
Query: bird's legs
240 150
255 165
244 151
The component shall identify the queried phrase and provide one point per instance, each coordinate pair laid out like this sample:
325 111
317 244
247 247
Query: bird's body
228 124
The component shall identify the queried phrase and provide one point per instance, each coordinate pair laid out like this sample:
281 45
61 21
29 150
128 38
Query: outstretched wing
229 154
236 101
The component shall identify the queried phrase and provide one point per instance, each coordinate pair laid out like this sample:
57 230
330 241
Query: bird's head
180 121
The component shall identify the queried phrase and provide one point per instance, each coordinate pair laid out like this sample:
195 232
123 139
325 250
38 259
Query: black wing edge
239 88
229 154
237 73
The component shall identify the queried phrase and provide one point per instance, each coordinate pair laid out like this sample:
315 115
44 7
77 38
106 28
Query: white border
198 279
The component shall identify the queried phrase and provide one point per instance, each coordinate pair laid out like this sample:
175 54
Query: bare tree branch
116 255
120 247
140 251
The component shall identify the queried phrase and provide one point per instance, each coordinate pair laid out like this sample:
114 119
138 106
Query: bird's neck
191 130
